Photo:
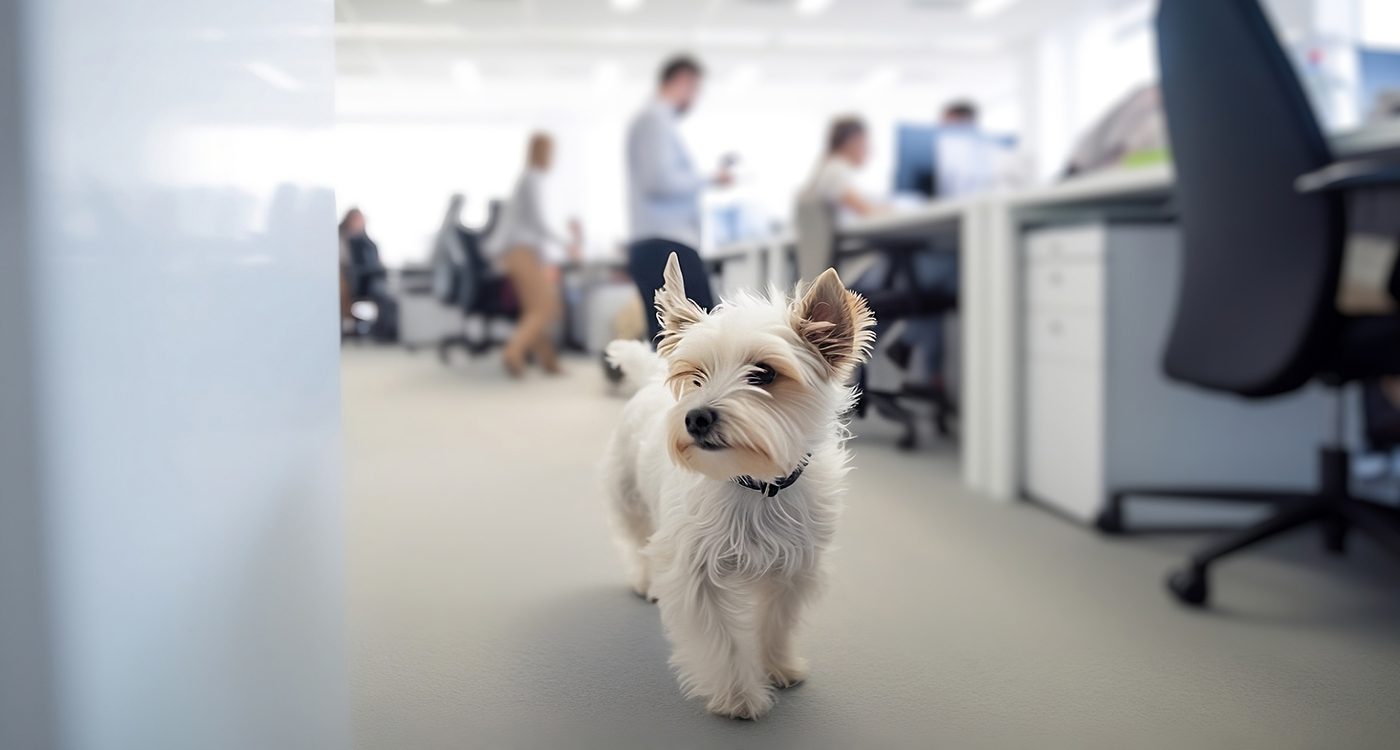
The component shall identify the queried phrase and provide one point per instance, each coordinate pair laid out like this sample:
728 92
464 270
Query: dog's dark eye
761 374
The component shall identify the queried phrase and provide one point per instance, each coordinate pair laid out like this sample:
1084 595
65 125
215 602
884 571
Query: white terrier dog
726 476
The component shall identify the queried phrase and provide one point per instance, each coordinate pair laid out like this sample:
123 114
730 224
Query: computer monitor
916 167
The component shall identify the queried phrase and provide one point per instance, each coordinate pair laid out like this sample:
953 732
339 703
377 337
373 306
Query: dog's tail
638 364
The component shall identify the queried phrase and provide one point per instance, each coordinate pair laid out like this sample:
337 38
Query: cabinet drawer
1073 285
1064 437
1082 243
1068 336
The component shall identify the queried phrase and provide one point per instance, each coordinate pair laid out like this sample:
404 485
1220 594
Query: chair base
473 346
1337 517
888 405
1333 509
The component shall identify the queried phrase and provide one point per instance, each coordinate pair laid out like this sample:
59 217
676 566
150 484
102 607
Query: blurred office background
235 514
434 98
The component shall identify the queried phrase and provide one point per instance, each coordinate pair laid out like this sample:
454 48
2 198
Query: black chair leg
1334 533
891 410
943 410
1190 584
1379 524
1110 519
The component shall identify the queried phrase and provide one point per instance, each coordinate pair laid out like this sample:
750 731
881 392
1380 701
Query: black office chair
894 297
1262 217
464 278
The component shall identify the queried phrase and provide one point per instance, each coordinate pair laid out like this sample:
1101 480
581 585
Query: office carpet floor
486 608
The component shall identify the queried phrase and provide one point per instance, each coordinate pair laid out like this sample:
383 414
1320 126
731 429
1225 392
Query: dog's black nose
700 422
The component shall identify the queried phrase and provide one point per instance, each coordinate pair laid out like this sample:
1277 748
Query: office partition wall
170 520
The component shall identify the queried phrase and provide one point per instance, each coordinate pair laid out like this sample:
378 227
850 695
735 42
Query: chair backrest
816 236
449 256
1255 307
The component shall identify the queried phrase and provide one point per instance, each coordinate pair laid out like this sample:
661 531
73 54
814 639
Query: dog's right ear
675 311
836 322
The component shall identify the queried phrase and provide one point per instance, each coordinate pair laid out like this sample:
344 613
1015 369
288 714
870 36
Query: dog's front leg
715 648
780 603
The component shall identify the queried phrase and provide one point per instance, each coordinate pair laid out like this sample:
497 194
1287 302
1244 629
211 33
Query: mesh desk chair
1263 226
464 278
821 246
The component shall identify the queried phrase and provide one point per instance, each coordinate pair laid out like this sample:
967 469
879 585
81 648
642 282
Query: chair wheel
908 441
1189 586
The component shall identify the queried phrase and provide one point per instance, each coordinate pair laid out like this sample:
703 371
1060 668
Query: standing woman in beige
519 245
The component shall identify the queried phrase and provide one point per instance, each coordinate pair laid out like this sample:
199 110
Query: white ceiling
562 39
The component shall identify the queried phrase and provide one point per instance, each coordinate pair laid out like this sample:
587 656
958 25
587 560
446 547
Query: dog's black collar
769 489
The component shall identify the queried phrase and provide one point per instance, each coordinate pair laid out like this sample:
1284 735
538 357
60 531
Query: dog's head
758 382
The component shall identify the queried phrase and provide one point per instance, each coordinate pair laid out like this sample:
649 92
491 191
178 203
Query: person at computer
968 168
520 245
965 165
664 190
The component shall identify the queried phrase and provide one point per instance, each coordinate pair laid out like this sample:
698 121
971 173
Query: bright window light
744 77
988 8
813 7
467 74
607 76
626 6
883 77
1380 24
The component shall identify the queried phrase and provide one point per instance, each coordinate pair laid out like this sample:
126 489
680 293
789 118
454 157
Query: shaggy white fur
750 389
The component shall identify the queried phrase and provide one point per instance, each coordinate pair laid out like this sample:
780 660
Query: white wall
1078 71
176 346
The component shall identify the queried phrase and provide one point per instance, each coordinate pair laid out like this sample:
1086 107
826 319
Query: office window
1380 24
1347 53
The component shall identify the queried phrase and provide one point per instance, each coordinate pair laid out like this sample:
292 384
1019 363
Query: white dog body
754 389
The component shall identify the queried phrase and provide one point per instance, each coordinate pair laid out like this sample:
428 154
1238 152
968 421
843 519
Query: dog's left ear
674 311
836 322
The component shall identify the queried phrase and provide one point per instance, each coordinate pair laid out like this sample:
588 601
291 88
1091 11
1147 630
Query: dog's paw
641 586
787 676
742 705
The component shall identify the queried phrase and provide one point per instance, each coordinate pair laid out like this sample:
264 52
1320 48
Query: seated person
365 277
833 182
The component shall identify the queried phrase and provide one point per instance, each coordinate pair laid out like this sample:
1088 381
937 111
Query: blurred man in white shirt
664 190
966 158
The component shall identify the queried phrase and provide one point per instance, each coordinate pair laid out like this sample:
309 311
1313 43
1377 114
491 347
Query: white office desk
1111 186
766 257
913 222
989 229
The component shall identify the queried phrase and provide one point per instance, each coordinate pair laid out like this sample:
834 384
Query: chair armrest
1345 175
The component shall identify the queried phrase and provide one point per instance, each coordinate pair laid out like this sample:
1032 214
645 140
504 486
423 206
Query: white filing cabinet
424 321
1100 415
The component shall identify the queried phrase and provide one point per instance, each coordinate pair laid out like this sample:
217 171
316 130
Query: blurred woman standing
519 246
